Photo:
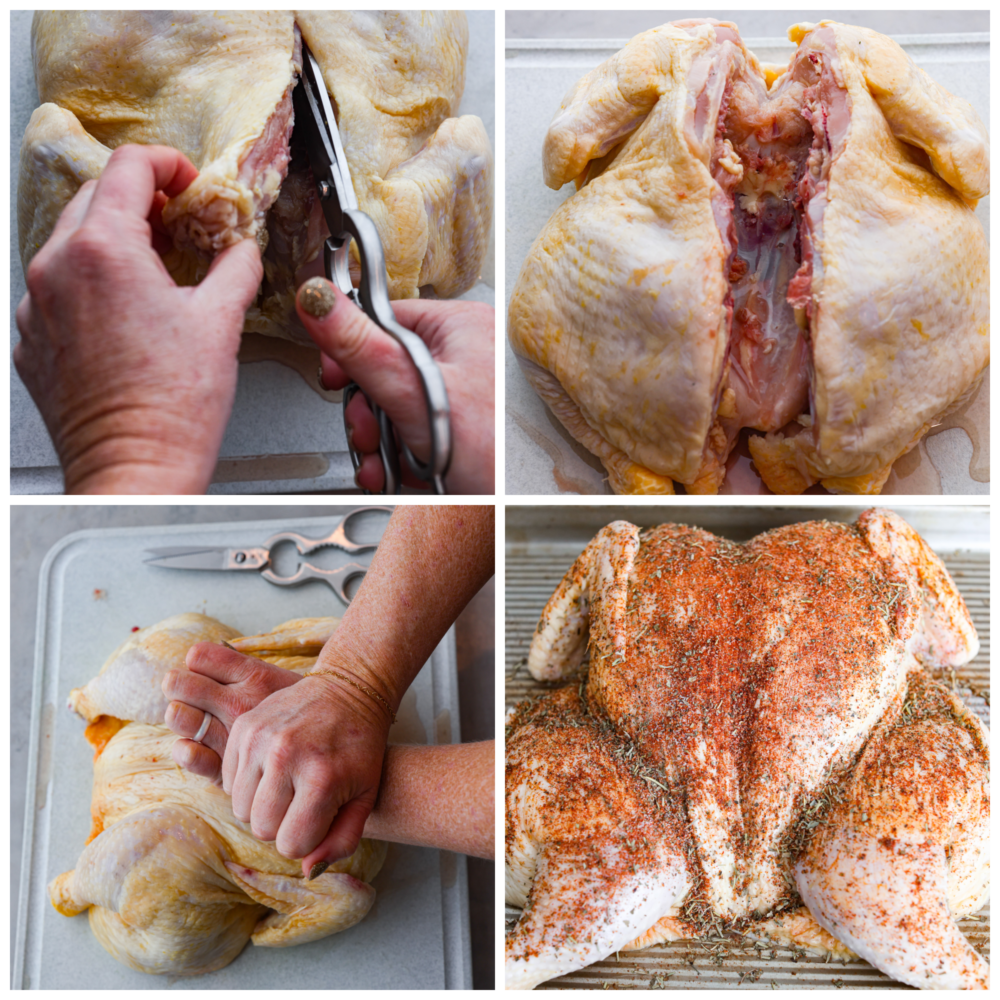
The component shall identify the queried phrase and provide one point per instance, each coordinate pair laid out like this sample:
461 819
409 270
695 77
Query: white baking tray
543 542
93 589
541 456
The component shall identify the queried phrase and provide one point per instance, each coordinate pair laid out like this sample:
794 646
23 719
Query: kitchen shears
204 557
314 115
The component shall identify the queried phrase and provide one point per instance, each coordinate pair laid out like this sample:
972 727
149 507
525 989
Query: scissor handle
337 537
386 442
372 296
336 578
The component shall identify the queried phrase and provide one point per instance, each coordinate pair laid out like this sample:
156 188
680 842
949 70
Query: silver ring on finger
203 728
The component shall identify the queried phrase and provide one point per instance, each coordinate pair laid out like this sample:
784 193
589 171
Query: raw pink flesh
790 134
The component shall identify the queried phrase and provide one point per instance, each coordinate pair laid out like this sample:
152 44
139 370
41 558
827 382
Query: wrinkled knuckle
281 753
36 277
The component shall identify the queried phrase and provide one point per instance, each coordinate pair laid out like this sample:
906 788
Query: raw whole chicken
758 747
788 249
173 882
218 86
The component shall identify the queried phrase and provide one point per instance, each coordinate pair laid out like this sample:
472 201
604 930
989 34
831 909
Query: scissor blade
180 557
314 114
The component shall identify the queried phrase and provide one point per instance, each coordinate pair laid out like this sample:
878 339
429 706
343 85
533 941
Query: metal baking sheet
541 456
93 589
283 437
541 544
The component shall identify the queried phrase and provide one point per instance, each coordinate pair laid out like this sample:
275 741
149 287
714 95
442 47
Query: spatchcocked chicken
217 85
173 882
788 249
758 747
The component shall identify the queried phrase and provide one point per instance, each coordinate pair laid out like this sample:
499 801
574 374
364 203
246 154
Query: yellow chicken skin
218 87
173 882
794 252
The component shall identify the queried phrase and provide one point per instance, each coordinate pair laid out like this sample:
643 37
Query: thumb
234 276
364 352
343 837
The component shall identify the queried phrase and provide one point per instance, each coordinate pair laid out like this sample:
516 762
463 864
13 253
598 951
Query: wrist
366 697
362 667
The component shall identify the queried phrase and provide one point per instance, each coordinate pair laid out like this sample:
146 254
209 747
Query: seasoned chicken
218 86
758 746
792 250
173 882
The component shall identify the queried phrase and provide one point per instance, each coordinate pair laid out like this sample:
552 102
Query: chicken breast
795 253
172 881
218 86
757 746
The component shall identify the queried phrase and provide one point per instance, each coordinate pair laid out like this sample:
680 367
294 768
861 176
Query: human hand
460 337
225 683
303 767
134 376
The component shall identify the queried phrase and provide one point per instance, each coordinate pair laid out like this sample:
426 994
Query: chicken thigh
757 746
792 251
218 87
173 882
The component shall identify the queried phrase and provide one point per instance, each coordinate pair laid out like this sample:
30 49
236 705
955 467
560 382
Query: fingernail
318 869
317 297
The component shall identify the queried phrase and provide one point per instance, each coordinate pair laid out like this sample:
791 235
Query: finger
334 376
186 721
305 823
162 241
343 837
201 694
270 803
364 351
371 475
135 173
246 678
244 786
234 276
364 426
198 759
73 214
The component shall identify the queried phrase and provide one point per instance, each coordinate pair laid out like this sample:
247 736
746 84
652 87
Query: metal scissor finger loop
337 538
386 443
336 578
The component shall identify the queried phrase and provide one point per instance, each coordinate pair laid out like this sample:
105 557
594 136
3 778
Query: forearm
429 564
439 796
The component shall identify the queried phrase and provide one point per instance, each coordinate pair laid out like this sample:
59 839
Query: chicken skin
173 882
792 250
758 746
218 87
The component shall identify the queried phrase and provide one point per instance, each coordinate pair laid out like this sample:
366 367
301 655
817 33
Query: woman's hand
460 337
301 756
134 376
303 767
225 684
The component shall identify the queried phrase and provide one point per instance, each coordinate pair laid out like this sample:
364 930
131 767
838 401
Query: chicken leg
159 896
906 851
304 911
